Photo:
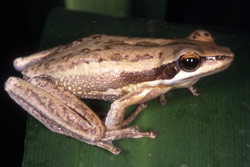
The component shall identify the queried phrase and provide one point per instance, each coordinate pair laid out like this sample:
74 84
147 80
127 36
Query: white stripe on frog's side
177 79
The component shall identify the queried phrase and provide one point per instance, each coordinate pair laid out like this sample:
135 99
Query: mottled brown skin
123 70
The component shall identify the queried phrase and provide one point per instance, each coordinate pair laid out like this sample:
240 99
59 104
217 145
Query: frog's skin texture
123 70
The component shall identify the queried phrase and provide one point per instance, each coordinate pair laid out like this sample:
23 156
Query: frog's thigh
66 97
115 115
73 119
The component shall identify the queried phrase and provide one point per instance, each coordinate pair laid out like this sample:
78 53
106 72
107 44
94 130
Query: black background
21 28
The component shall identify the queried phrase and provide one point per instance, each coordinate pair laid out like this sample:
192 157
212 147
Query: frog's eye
189 62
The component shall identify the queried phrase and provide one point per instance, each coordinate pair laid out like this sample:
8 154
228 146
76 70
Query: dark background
22 24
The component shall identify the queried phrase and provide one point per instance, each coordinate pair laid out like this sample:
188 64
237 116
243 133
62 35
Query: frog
122 70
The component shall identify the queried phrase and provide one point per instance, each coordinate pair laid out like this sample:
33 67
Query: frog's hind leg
107 145
130 132
59 110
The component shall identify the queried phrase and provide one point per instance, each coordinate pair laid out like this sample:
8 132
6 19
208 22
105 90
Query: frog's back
98 51
99 57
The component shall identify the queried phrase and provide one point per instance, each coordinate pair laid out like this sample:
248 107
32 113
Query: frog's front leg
162 100
132 116
194 90
115 117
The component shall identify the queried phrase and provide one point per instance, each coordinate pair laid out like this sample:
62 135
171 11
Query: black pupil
190 63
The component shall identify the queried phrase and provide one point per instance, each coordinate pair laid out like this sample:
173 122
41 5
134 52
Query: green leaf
110 7
211 130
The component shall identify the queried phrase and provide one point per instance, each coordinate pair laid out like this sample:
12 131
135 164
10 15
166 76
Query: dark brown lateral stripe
166 71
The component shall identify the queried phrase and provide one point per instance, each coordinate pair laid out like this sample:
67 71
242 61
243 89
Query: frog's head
197 56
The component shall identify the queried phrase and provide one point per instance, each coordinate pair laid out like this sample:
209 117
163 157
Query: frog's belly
98 95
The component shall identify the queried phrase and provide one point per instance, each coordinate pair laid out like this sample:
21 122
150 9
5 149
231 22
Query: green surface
137 8
107 7
212 130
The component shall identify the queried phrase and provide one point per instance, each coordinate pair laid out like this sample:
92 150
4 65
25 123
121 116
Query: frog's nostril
229 57
222 57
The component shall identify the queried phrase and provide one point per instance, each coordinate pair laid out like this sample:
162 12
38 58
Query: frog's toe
162 100
152 134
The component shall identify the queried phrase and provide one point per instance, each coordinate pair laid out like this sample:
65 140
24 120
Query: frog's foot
111 135
194 90
107 146
130 132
